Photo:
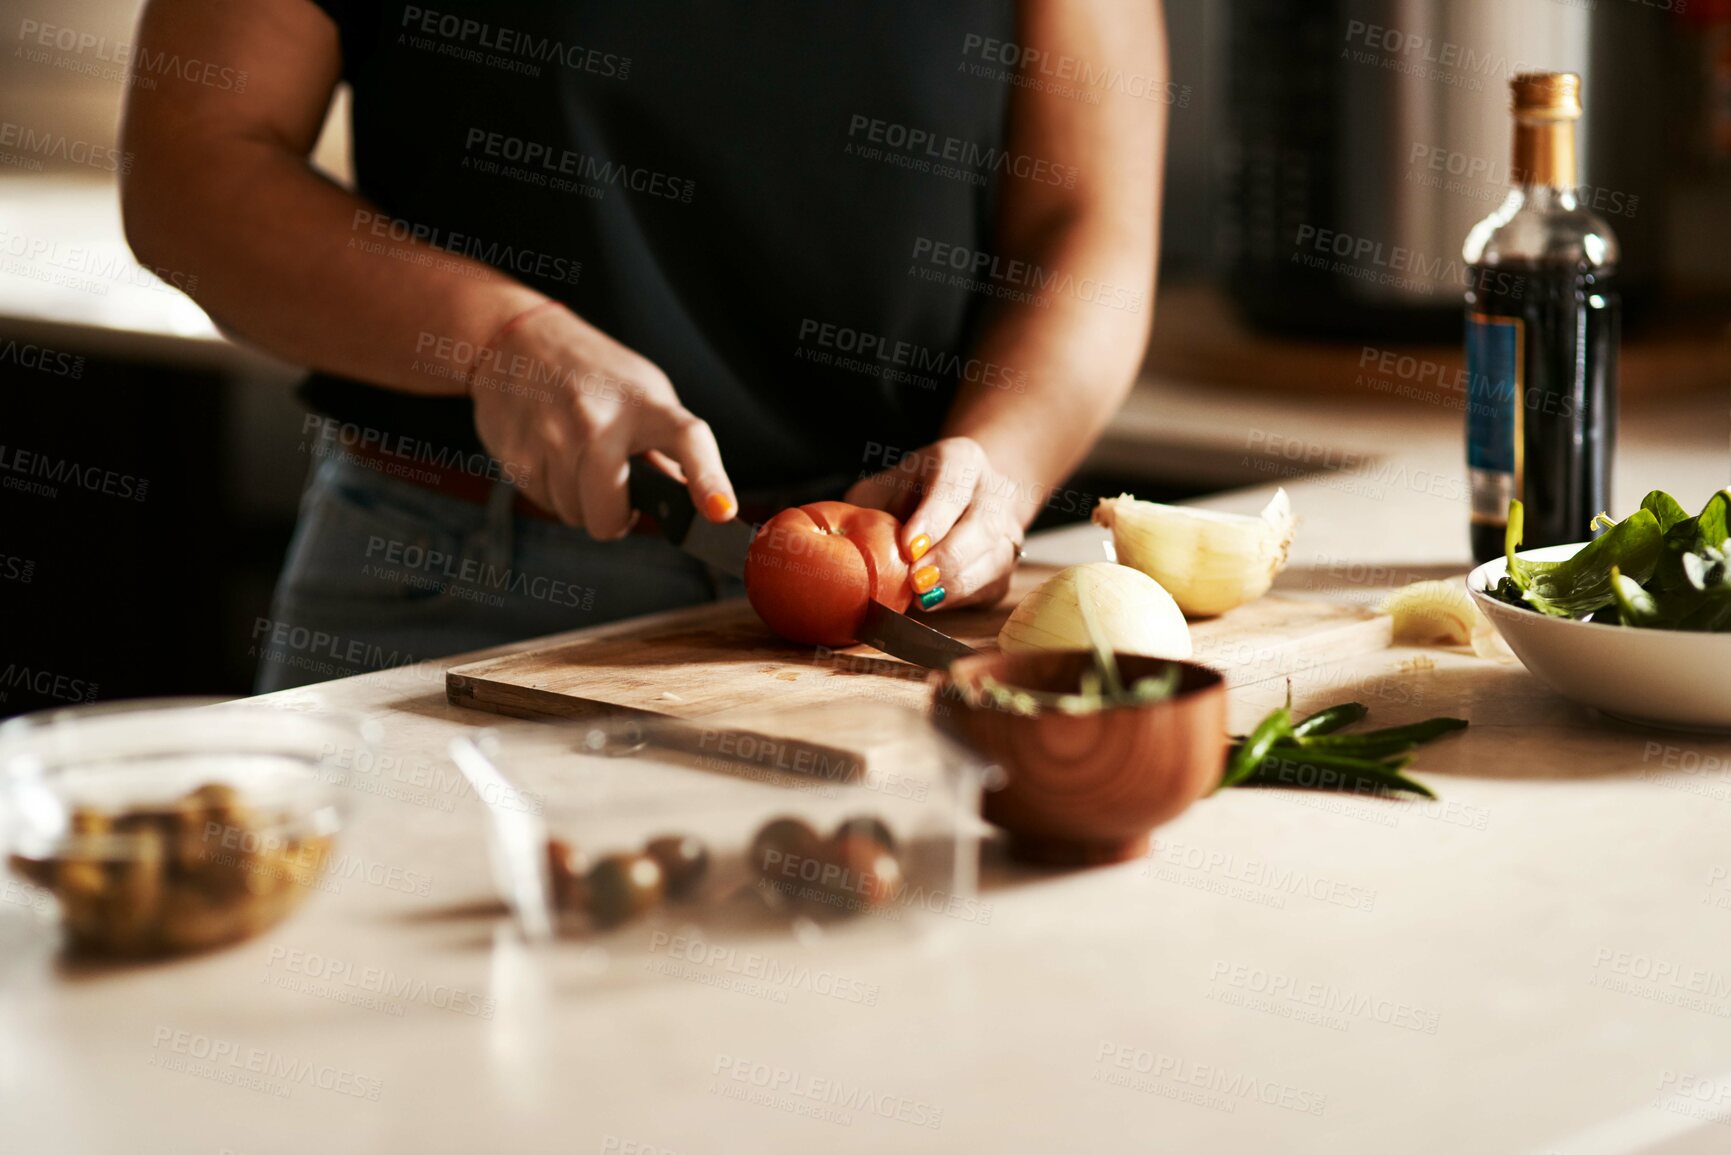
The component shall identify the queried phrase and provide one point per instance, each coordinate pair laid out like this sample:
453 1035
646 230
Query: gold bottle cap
1547 95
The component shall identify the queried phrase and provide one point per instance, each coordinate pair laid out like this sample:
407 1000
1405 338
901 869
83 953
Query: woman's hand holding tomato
812 569
962 525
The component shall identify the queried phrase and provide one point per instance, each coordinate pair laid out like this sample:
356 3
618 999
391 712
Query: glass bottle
1542 331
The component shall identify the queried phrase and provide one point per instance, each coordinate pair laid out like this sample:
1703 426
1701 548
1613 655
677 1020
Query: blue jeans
382 572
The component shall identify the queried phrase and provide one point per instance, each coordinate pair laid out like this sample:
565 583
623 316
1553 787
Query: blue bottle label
1495 405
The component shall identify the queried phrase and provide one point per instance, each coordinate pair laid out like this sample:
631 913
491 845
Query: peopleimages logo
894 359
41 359
800 1089
526 50
1284 995
927 147
328 435
225 1061
566 170
1232 1085
38 39
1372 260
336 978
1033 67
45 684
761 968
984 272
60 147
45 471
523 261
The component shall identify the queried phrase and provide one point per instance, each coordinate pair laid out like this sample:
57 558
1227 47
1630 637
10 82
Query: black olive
787 854
869 825
566 874
683 860
868 874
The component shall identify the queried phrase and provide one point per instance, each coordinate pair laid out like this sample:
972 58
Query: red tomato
812 569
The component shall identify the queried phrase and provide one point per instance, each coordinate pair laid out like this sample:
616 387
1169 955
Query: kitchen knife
900 636
724 546
669 503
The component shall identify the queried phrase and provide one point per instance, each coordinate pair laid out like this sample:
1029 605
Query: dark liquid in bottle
1567 396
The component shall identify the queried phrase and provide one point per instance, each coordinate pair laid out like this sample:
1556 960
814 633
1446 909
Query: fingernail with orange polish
719 506
919 547
925 578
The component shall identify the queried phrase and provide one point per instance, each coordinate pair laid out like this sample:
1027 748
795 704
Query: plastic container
888 841
173 825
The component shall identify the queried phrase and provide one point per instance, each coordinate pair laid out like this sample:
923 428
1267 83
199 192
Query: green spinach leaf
1579 585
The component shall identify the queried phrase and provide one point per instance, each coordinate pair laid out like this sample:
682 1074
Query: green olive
91 822
194 920
134 895
79 877
624 886
162 881
192 844
683 860
215 796
304 860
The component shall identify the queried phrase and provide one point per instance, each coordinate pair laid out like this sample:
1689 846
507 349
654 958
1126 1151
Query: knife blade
669 503
724 546
902 637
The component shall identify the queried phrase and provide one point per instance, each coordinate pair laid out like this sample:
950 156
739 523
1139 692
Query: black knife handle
661 497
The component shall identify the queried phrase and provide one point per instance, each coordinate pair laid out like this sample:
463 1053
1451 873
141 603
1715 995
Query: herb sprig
1312 754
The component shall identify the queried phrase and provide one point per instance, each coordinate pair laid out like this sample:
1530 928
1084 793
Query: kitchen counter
1535 963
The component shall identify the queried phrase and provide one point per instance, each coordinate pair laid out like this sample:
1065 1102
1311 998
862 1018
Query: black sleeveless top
740 190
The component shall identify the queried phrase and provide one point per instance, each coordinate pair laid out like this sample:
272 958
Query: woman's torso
747 192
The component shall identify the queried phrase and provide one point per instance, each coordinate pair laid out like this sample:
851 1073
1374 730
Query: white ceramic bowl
1657 677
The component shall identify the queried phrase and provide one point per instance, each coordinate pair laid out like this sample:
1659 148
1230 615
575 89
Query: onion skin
1137 615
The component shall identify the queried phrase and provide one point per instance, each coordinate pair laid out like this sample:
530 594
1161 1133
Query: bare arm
1062 364
221 188
1079 351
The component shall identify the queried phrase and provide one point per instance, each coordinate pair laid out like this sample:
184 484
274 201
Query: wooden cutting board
718 659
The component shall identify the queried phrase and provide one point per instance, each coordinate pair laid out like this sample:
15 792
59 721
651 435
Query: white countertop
1535 964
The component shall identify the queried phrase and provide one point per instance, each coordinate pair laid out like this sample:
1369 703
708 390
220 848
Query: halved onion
1134 613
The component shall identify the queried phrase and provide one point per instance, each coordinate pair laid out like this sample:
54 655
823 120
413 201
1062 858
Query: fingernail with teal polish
931 597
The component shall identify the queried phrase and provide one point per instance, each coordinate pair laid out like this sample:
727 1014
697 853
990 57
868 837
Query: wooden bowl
1084 789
